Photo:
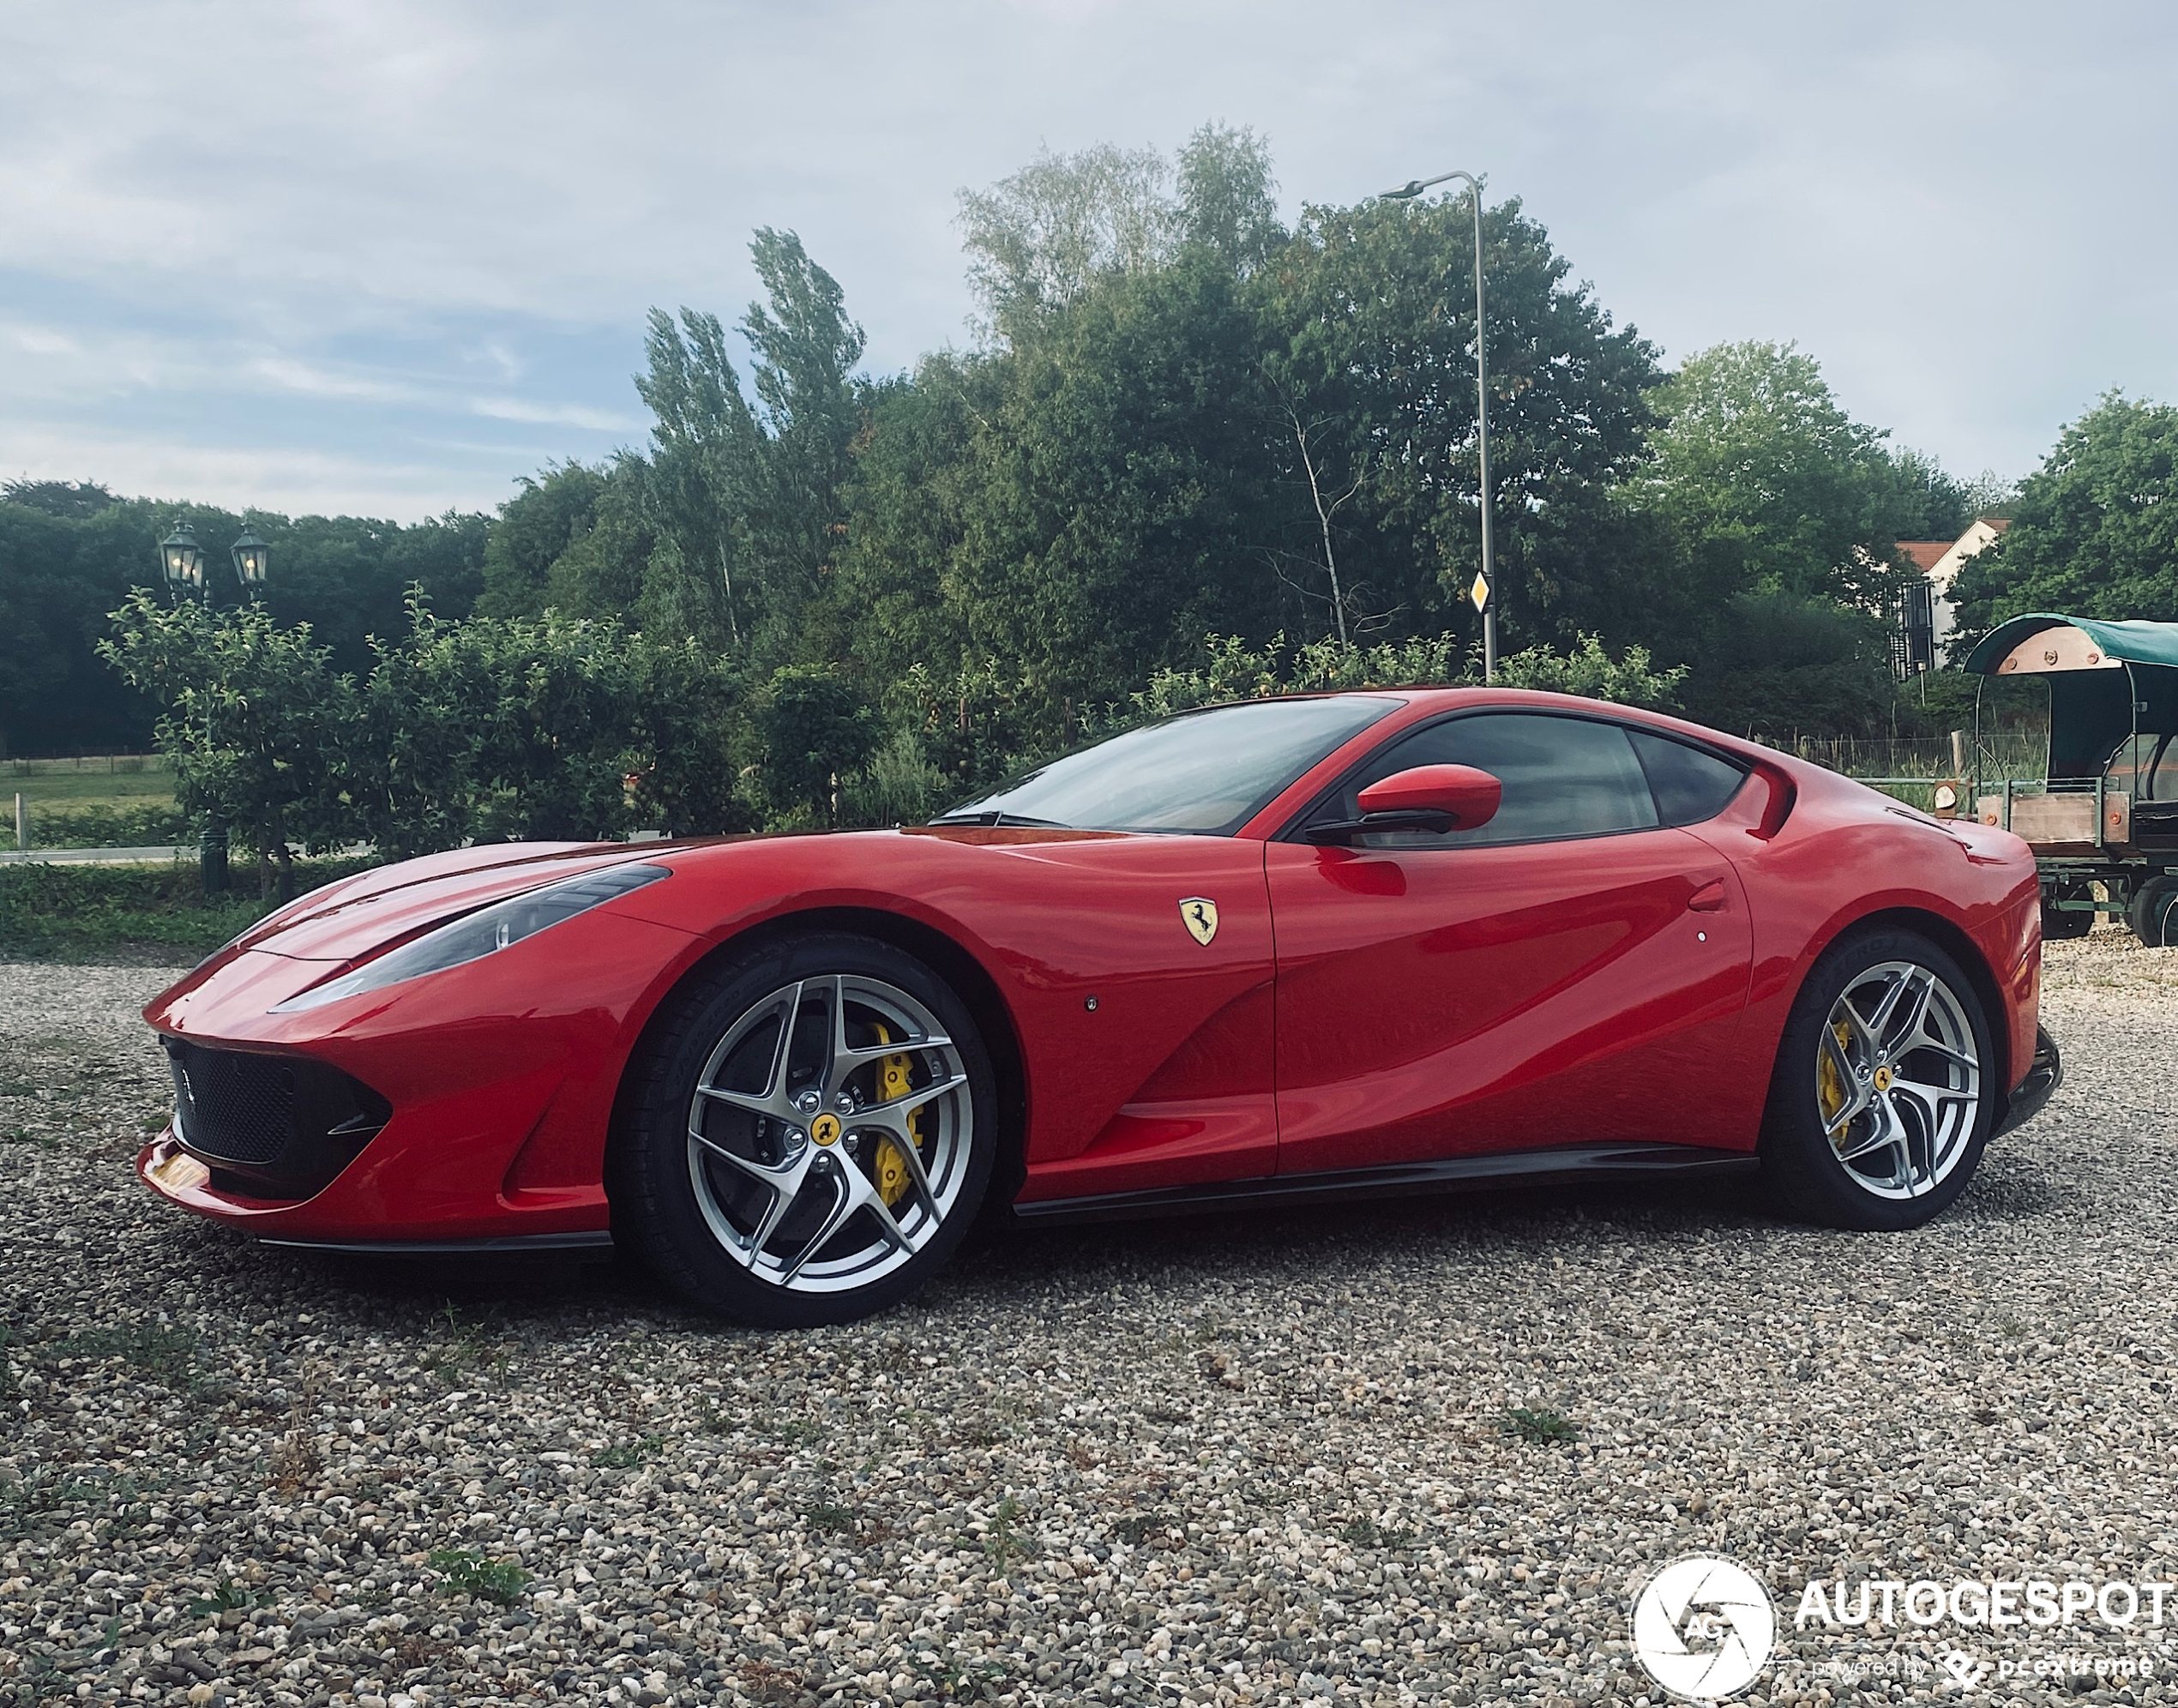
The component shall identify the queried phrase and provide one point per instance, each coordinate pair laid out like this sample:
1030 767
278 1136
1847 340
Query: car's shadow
1002 1260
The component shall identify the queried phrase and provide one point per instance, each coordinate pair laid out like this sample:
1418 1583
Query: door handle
1709 899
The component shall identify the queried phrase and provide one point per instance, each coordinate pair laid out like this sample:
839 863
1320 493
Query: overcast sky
384 257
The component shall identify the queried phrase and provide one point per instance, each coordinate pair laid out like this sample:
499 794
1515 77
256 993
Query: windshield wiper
994 819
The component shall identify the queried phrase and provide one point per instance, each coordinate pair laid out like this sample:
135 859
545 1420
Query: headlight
486 931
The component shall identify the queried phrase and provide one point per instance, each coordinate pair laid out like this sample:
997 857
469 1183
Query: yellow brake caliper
1830 1083
891 1168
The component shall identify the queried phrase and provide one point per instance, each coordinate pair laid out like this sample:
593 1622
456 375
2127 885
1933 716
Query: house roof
1925 554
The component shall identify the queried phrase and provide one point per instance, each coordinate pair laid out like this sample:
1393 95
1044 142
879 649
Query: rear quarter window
1689 784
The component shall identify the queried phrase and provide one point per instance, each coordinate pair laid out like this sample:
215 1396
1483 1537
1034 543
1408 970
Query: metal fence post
22 824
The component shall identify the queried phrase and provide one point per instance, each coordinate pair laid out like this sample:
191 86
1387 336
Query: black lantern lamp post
181 560
250 559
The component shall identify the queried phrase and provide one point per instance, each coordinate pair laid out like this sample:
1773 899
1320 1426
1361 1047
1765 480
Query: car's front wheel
1886 1086
810 1134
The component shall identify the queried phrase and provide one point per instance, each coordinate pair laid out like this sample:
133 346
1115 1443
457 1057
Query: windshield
1207 772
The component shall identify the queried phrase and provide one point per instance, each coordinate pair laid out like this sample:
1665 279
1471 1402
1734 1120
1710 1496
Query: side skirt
1558 1166
508 1245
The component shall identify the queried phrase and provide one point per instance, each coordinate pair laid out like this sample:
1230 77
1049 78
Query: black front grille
277 1126
238 1107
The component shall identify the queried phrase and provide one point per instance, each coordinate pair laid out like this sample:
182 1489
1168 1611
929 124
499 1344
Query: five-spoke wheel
812 1135
1884 1094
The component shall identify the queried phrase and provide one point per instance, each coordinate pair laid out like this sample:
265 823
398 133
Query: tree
70 553
254 716
1368 326
534 530
744 504
703 480
1038 240
815 730
1776 489
2095 530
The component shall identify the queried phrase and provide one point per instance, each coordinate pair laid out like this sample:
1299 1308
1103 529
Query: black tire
669 1197
1804 1173
2059 923
2153 914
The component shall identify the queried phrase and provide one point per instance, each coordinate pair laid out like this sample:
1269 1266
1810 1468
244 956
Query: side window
1690 786
1563 776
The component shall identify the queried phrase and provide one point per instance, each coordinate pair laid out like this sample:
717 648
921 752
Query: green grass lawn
156 914
91 803
67 783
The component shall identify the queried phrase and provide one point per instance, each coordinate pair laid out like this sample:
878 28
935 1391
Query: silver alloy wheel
812 1104
1898 1080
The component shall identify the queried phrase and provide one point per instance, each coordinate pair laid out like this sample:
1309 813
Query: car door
1574 971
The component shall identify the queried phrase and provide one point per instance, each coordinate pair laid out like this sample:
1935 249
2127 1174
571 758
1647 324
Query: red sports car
1337 946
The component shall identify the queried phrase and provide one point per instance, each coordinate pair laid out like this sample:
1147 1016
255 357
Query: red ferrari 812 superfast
1339 945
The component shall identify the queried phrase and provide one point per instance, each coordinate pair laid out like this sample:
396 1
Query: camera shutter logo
1703 1627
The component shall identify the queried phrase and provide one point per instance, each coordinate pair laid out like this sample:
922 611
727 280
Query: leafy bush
70 912
108 826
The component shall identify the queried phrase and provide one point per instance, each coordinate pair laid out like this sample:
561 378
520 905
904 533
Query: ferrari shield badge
1200 914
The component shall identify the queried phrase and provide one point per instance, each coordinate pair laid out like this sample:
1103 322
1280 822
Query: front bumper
495 1084
2041 1084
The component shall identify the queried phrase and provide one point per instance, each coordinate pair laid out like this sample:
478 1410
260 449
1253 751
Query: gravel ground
1258 1461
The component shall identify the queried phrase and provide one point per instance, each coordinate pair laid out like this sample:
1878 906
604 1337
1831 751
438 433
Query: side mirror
1437 799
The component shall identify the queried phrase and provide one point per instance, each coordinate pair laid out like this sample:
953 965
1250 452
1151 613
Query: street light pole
181 561
1488 583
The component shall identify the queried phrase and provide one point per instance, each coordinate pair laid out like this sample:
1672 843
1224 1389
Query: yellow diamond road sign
1480 591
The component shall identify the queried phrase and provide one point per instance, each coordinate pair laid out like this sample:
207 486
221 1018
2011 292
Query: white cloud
554 414
283 373
270 476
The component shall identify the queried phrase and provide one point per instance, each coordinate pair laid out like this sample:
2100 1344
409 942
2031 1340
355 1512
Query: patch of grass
626 1455
93 912
464 1573
954 1676
112 824
826 1515
1540 1427
795 1434
1002 1543
226 1596
168 1356
136 777
470 1344
1368 1533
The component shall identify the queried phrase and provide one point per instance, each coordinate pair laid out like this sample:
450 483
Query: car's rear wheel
1885 1089
810 1134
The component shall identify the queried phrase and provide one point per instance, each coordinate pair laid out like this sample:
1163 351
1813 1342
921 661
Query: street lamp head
181 560
250 557
1406 192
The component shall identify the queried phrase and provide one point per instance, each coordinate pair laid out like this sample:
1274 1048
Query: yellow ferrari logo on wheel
1200 914
825 1128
